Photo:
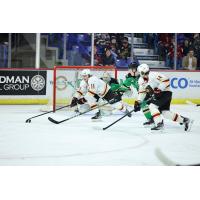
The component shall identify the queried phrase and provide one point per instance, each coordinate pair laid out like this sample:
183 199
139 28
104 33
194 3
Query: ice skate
159 126
148 123
97 116
187 123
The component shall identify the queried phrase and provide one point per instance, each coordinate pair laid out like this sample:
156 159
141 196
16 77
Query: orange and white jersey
159 81
142 88
82 90
156 80
97 86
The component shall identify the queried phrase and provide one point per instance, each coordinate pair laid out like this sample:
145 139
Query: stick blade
53 120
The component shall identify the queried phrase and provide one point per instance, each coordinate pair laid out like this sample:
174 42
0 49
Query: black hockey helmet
133 65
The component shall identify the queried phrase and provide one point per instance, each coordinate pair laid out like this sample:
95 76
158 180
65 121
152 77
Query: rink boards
185 85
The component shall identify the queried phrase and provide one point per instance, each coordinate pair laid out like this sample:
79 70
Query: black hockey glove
74 102
137 106
81 101
149 90
116 98
96 97
157 93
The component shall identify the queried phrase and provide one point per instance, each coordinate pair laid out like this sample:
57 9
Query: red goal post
67 78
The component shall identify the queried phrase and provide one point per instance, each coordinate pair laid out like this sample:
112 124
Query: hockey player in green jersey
132 80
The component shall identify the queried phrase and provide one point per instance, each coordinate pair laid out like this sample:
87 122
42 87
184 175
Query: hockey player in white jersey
92 88
157 86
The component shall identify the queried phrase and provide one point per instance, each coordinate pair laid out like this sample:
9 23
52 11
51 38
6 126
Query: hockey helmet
86 72
133 65
106 77
143 69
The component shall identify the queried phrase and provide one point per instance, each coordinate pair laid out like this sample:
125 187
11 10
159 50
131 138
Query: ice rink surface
82 142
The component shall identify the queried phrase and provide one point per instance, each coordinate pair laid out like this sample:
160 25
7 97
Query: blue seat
80 37
121 63
75 48
89 49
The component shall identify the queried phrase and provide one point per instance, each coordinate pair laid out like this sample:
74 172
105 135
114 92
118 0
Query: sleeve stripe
93 106
167 86
156 115
80 92
91 92
166 80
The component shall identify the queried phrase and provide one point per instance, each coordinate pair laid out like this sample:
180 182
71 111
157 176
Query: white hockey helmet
86 72
143 69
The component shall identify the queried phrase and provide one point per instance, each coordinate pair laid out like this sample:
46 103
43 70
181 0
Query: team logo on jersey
37 82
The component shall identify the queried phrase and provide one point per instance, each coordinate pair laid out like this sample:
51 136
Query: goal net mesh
66 79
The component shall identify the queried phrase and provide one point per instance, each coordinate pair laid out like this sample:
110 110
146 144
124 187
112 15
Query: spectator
179 56
196 45
114 45
163 46
97 58
180 38
108 58
186 47
189 61
169 45
125 50
119 37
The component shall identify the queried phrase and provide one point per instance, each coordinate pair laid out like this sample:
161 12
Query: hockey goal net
66 79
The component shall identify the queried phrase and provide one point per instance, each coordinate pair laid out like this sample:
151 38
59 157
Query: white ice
82 142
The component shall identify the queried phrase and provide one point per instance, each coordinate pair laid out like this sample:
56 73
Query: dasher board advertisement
23 82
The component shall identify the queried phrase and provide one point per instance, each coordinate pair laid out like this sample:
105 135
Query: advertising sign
23 82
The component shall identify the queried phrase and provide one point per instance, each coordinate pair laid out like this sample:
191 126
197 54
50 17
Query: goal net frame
56 68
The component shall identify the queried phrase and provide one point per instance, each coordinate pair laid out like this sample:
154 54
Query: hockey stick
118 119
121 118
29 119
166 161
163 158
77 115
191 103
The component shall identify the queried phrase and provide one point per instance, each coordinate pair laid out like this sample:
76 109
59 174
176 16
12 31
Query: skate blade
148 126
96 120
158 131
190 125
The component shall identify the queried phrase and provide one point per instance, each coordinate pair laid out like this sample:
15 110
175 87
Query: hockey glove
116 97
137 106
157 93
74 102
149 90
81 101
